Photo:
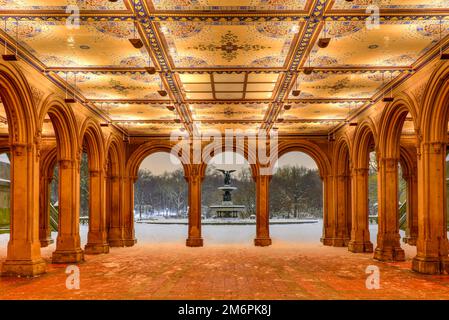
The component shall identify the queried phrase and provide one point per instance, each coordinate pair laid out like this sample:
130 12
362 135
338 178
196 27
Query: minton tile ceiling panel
306 128
221 127
61 4
225 45
320 111
398 43
165 128
102 44
341 85
390 4
108 85
136 111
229 111
169 5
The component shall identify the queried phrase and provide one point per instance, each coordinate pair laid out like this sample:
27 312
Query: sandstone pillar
116 232
97 237
23 255
411 231
432 244
68 243
262 211
360 238
342 210
388 238
44 210
128 197
329 223
194 180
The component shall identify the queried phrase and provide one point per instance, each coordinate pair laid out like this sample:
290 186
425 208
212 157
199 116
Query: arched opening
5 192
296 199
92 188
160 199
228 200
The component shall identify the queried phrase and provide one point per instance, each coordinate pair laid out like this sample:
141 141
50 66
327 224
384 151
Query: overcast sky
161 162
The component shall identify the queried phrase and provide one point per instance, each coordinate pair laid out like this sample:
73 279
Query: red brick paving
282 271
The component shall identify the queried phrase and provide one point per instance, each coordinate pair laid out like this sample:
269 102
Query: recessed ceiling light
308 70
373 46
84 47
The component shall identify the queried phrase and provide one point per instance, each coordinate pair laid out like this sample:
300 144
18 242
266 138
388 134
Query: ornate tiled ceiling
226 64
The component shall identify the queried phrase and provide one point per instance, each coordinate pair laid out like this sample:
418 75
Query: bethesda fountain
227 209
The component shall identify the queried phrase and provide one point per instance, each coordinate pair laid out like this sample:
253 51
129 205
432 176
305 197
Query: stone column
97 237
360 238
388 238
116 232
44 210
411 231
23 255
262 211
329 226
68 243
128 206
342 206
432 244
194 184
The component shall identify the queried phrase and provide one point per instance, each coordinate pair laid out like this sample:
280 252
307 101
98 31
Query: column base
116 242
411 241
360 247
96 248
389 254
340 242
23 268
326 241
129 242
430 265
194 242
262 242
68 256
46 242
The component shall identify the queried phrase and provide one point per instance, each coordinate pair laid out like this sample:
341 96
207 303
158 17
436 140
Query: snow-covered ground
220 234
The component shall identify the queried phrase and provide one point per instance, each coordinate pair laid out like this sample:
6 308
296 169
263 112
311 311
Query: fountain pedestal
227 209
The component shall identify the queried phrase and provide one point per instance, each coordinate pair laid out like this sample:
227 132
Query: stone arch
365 134
244 151
19 105
309 148
148 148
92 135
342 156
64 124
392 120
435 106
23 255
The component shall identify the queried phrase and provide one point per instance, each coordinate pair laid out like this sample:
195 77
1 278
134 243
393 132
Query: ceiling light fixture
136 42
162 92
324 41
308 70
11 57
296 92
150 69
287 107
171 108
